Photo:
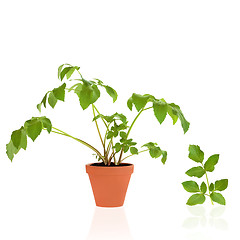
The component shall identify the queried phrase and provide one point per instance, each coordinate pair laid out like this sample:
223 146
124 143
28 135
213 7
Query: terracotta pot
109 183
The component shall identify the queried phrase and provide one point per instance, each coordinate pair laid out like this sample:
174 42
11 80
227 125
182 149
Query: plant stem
98 129
58 131
134 154
130 128
208 184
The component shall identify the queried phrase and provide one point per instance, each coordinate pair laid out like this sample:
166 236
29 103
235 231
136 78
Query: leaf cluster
32 129
160 108
197 155
116 139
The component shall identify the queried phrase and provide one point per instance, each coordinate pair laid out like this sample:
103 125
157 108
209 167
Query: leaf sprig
197 155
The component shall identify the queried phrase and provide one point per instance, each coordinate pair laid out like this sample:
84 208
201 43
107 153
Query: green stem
58 131
130 128
208 184
98 129
134 154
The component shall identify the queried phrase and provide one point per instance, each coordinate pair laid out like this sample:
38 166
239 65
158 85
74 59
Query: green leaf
70 72
172 114
221 185
155 152
139 101
133 150
196 199
39 107
130 103
16 137
196 172
125 148
42 102
111 93
46 124
160 110
96 94
86 96
59 70
52 100
177 111
164 157
123 135
64 72
59 92
211 162
191 186
78 89
203 187
195 153
11 150
33 128
211 187
149 145
218 198
117 147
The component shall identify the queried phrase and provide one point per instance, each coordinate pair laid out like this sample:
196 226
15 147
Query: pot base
109 183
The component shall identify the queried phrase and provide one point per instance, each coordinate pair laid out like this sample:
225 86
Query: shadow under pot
109 183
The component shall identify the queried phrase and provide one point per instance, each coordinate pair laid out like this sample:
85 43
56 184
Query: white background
184 51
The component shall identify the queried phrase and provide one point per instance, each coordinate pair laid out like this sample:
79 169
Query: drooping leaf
64 72
130 103
191 186
70 72
218 198
195 153
86 95
211 162
11 150
139 101
164 157
46 123
111 93
125 148
16 137
19 139
96 94
59 93
221 185
155 152
133 150
33 128
203 187
196 199
59 70
42 102
149 145
196 172
172 114
160 110
52 100
177 111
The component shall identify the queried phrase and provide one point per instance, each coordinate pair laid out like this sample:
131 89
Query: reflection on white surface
109 223
200 217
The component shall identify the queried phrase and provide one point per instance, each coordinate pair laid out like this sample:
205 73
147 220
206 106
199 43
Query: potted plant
110 176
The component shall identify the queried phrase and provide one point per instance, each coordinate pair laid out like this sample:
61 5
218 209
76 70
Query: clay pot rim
110 170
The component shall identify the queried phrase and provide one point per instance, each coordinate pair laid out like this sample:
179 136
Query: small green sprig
197 155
